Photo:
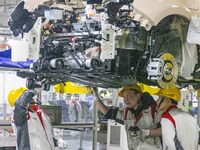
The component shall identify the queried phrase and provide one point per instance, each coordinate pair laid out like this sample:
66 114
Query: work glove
144 132
62 144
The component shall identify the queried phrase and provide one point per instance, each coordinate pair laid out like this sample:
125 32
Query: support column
198 114
95 119
81 140
115 97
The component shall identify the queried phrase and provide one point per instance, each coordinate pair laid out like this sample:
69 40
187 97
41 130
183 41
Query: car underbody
109 52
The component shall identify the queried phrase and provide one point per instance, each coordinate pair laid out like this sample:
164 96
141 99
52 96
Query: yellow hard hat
14 94
173 93
128 87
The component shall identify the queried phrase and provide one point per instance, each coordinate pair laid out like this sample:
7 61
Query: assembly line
108 74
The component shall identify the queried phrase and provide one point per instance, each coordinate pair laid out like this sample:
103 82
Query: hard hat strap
161 101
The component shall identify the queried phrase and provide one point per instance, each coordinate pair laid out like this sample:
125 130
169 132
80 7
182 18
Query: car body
143 40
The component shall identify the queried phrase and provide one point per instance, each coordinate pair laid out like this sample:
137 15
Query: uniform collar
170 108
35 108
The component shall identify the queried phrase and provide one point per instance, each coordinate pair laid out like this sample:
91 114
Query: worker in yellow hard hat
179 129
32 125
168 97
139 117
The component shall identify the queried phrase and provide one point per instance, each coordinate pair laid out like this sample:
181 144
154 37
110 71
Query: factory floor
73 139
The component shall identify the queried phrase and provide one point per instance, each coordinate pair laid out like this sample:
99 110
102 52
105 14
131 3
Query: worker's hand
62 144
144 132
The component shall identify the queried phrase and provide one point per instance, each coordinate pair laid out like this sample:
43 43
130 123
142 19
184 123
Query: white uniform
177 122
135 140
40 133
33 128
143 117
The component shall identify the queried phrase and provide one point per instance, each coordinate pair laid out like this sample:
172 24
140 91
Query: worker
139 117
179 129
31 125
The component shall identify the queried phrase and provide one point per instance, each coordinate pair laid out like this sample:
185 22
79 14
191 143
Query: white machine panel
34 40
116 136
19 48
28 47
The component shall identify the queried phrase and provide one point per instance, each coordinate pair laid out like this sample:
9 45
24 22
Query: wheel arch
150 12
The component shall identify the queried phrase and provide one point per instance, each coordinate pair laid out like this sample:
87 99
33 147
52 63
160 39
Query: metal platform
7 124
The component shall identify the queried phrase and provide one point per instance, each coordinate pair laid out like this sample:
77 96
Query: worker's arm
151 132
110 113
21 107
98 102
155 132
101 107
